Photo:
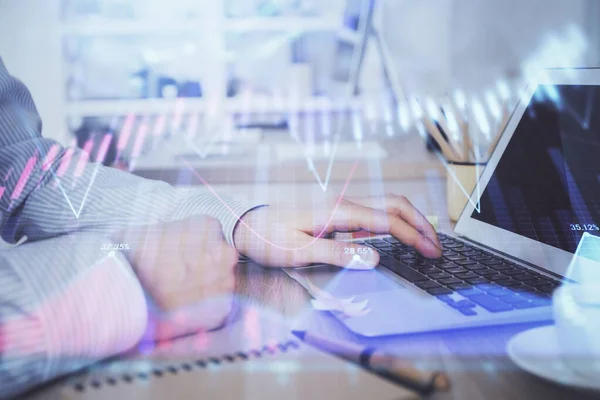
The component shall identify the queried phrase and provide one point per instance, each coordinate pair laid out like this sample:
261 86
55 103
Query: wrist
239 232
242 230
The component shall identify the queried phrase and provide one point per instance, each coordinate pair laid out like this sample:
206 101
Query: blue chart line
320 235
570 185
586 119
354 72
449 171
85 196
209 147
76 213
584 266
311 166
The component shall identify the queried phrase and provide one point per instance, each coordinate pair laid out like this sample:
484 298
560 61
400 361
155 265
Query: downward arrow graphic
77 212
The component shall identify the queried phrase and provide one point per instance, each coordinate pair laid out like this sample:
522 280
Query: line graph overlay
476 205
258 235
50 159
77 213
356 61
203 154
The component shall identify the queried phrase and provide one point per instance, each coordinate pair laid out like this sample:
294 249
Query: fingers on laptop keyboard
482 279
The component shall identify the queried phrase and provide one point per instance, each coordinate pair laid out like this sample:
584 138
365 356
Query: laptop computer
517 235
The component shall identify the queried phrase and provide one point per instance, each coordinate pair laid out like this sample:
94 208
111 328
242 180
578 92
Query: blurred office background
153 66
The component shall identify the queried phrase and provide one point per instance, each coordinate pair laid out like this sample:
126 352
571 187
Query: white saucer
537 352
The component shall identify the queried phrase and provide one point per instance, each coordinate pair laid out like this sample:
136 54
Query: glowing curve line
355 63
267 241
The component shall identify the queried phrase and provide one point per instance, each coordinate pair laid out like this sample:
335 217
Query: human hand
187 270
292 238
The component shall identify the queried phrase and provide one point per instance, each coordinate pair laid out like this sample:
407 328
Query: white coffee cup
461 178
577 317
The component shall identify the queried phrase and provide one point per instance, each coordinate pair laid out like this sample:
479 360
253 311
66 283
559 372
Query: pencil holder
461 178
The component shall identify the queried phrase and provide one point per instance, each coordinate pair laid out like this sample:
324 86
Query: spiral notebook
255 358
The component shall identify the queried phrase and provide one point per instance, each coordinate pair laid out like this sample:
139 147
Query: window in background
134 67
157 69
478 55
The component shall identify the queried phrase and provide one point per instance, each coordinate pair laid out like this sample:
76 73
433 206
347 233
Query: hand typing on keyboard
280 237
467 277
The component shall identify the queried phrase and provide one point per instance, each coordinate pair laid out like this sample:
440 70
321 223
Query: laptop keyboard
479 277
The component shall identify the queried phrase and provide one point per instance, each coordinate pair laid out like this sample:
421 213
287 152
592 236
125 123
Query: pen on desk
382 363
447 150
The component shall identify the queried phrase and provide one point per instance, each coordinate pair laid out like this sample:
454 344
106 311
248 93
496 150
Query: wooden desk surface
475 359
407 158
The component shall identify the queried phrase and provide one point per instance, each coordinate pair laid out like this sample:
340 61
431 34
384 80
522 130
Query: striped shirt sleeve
46 192
64 304
49 190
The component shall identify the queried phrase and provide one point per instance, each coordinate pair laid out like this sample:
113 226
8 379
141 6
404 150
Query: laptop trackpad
345 282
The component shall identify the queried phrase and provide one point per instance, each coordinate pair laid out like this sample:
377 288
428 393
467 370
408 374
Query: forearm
48 190
104 200
65 304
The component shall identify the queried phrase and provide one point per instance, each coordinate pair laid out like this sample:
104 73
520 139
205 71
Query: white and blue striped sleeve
64 304
47 191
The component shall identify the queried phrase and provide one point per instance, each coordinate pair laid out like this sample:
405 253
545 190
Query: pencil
384 364
442 123
463 130
466 147
466 142
503 123
447 150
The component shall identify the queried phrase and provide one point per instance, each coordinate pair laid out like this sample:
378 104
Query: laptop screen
546 185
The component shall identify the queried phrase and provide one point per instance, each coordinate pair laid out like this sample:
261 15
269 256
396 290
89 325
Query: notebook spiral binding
160 372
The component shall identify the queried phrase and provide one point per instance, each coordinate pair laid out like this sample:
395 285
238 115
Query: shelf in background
407 159
122 107
212 23
98 28
281 24
233 105
241 25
